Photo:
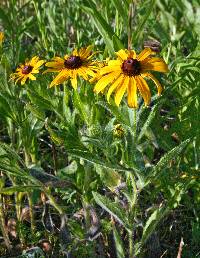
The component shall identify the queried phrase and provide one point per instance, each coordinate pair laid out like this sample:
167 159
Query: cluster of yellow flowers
126 73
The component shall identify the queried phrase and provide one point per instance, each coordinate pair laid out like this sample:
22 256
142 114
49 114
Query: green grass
90 193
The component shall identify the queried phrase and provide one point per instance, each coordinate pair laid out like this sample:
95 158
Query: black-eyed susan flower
26 71
127 73
79 63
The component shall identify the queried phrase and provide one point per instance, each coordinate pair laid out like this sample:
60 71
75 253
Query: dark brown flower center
27 69
131 67
73 62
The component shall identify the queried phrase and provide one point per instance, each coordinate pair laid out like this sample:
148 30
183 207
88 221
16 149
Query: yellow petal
155 64
117 83
144 54
60 78
32 77
24 80
114 63
157 83
85 52
132 54
39 63
50 71
82 71
105 80
132 93
34 60
74 82
144 89
75 52
152 60
35 70
58 65
108 69
122 54
121 90
18 79
90 72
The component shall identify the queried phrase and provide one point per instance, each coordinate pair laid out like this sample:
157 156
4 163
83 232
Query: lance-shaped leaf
118 243
113 209
163 162
22 188
112 41
92 158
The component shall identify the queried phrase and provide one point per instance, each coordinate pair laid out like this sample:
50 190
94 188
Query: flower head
79 63
26 71
127 73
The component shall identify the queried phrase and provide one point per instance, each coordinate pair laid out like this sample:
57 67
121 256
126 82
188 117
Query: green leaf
5 109
40 101
13 189
109 177
118 243
117 44
12 153
147 122
5 19
163 162
81 107
150 226
102 26
66 171
140 27
122 8
113 209
85 155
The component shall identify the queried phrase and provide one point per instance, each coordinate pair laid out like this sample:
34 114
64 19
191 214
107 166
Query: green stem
81 108
117 23
87 181
18 198
27 158
41 24
134 198
31 212
29 194
87 214
135 125
3 226
130 244
130 12
18 205
53 202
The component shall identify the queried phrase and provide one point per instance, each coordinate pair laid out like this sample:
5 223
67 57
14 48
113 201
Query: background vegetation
71 185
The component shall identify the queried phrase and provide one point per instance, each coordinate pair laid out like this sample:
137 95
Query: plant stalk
53 202
130 15
29 195
3 226
31 212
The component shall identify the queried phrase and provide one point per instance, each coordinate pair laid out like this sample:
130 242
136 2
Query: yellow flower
97 73
79 63
26 71
1 38
127 73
